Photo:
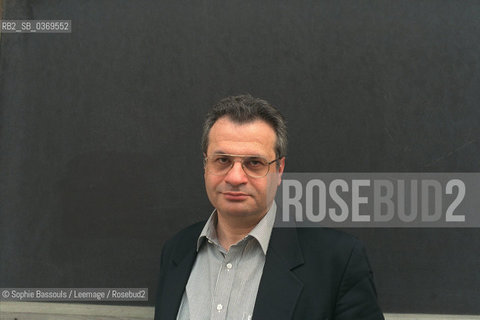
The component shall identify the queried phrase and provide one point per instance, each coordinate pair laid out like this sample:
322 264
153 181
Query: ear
281 167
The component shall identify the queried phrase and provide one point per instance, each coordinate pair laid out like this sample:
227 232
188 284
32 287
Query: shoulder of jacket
186 235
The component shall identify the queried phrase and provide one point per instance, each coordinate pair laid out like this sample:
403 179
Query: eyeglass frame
243 156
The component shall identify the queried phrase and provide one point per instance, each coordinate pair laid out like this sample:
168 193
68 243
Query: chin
236 209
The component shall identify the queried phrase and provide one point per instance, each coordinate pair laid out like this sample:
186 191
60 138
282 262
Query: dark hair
243 109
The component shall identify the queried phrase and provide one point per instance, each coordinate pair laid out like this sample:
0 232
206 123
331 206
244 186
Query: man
236 265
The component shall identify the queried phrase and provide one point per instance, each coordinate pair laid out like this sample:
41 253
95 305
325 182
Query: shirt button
219 307
210 241
229 266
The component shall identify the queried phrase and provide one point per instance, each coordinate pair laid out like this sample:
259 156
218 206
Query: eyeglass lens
253 166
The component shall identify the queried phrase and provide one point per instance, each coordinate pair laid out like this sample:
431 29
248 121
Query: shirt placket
225 282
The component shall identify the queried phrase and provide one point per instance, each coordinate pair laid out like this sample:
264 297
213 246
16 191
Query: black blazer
309 273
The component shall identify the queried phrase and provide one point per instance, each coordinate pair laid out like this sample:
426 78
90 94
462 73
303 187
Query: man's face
236 194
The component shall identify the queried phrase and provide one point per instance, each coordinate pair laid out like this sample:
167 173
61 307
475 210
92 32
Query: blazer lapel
180 268
279 287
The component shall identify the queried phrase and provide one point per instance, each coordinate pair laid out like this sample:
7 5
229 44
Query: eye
222 160
254 163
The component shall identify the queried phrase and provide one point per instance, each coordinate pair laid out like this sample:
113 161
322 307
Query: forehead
252 138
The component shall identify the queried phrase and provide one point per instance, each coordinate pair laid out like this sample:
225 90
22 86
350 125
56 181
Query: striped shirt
223 284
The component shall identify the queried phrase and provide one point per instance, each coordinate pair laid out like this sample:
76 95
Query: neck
231 230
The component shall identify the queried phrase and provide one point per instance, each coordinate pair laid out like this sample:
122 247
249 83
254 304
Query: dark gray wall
100 158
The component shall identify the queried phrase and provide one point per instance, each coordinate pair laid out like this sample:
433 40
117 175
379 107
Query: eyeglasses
254 167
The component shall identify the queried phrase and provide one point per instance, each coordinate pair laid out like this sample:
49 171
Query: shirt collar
261 232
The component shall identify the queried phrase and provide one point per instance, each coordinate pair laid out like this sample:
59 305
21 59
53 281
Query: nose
236 176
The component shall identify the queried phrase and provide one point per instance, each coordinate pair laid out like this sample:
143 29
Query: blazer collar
279 287
182 264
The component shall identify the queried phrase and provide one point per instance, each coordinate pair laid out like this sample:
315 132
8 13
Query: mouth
235 196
